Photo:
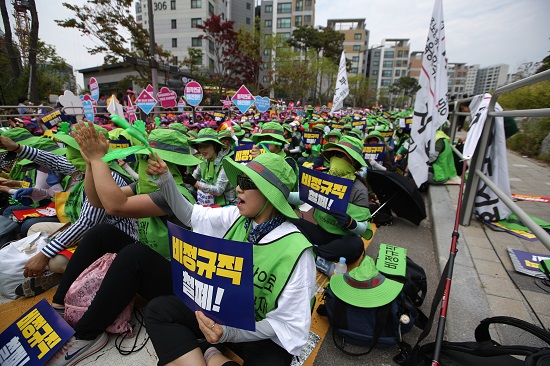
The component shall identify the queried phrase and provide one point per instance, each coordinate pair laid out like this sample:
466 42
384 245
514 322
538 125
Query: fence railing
476 163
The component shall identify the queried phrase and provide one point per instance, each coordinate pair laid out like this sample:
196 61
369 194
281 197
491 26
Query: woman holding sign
281 253
338 234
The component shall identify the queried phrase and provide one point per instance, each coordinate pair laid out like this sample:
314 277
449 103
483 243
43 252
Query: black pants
174 331
137 269
331 246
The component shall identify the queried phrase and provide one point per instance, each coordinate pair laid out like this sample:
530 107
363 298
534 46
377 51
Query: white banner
495 165
341 90
431 106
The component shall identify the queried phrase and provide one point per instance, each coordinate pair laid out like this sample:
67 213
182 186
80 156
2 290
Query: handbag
82 292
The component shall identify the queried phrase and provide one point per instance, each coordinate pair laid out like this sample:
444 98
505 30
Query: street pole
152 51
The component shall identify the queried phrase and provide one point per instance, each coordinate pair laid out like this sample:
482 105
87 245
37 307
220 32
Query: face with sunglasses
251 200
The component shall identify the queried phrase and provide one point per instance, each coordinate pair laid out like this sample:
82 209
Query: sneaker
75 350
36 285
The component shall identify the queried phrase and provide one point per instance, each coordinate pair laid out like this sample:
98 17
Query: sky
484 32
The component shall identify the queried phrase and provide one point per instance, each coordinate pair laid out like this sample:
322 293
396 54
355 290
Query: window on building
284 36
357 47
138 9
211 46
223 16
357 36
269 8
307 19
405 62
195 22
355 58
398 73
400 53
354 70
376 63
386 73
139 18
196 4
196 42
265 79
308 3
267 52
268 23
210 63
174 24
172 5
298 21
397 63
375 72
248 6
174 42
389 54
247 20
284 8
299 5
387 64
405 53
283 23
175 60
385 82
376 53
210 8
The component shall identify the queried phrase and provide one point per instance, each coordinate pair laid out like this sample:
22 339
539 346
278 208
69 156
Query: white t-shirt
291 319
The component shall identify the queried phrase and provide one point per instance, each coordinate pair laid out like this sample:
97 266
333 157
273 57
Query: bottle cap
342 260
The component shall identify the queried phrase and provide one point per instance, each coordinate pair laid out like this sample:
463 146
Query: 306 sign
160 5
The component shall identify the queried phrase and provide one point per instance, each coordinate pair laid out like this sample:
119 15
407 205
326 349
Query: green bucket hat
192 134
271 174
355 132
171 147
70 141
44 144
180 127
351 145
336 133
365 286
287 127
273 130
238 131
207 135
347 126
226 134
20 135
115 134
376 134
247 126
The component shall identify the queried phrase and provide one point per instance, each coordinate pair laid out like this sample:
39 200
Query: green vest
153 232
219 200
273 265
329 223
444 165
73 206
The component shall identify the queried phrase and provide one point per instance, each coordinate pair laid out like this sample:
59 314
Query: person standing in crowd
262 218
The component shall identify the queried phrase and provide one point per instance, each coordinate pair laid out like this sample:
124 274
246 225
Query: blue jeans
27 223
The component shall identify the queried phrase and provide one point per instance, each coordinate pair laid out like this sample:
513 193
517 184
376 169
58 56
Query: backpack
83 290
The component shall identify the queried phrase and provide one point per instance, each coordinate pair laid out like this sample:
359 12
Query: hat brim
272 193
278 138
173 157
380 295
202 140
331 147
67 140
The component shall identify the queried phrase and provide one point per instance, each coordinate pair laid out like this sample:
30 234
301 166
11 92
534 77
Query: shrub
528 141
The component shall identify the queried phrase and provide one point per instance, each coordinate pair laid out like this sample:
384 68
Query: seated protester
339 234
209 178
238 132
442 168
23 137
248 128
78 209
357 133
333 136
226 138
272 138
262 218
293 141
137 268
376 138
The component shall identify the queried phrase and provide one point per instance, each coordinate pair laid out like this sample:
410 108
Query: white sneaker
75 350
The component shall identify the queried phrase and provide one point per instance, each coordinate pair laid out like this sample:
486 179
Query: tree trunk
15 60
33 46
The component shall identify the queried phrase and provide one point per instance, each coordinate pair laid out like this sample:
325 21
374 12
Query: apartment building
490 78
176 23
415 64
471 80
457 75
388 62
356 42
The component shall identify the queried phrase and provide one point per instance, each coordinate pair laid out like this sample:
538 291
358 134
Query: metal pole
152 50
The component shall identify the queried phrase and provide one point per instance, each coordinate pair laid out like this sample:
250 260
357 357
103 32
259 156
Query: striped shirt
90 216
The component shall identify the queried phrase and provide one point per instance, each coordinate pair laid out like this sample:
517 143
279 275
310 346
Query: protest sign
374 151
312 138
323 191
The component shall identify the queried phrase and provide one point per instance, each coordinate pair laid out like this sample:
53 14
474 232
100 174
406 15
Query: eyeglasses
245 183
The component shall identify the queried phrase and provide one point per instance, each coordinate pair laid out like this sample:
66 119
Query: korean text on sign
324 191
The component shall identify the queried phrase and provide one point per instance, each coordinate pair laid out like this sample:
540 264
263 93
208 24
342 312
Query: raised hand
93 145
156 166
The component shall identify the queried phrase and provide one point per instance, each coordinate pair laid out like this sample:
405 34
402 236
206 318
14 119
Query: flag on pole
341 90
431 106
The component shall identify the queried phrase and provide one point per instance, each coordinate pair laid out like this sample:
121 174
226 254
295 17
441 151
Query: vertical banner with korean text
341 90
431 106
324 191
35 337
213 275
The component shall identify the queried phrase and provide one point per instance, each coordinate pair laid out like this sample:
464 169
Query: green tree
193 61
112 26
359 90
545 64
403 90
292 78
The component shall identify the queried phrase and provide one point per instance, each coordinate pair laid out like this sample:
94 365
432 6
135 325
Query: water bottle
324 266
341 266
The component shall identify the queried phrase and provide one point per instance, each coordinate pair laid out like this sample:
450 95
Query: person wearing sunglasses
338 234
261 217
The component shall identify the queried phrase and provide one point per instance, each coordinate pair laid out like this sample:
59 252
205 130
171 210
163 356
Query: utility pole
152 50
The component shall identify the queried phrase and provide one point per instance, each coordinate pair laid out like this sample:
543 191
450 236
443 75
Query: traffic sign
243 99
193 93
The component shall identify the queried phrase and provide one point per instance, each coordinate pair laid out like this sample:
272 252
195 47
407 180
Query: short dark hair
22 99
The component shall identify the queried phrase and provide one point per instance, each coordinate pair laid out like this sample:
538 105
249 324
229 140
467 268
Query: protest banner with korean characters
359 124
52 118
374 151
214 275
122 144
313 138
323 191
35 337
243 153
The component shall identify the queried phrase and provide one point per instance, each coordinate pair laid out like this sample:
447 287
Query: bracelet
18 146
